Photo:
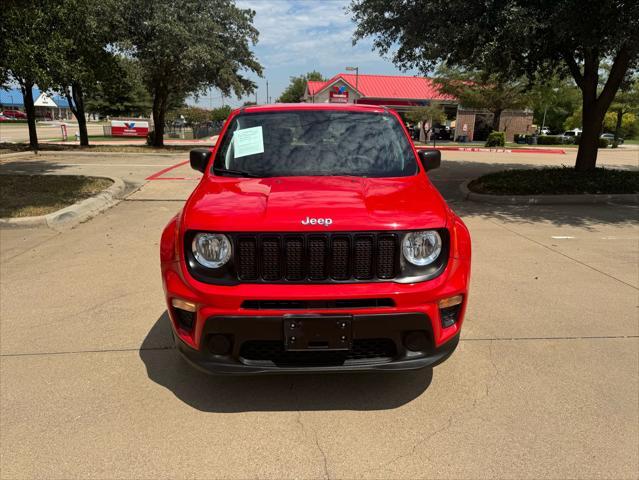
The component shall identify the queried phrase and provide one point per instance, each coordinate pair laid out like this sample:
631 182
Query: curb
81 153
73 214
541 150
581 199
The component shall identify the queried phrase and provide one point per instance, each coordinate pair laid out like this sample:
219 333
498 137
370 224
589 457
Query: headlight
422 248
212 250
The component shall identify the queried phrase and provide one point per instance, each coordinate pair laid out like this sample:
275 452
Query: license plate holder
318 332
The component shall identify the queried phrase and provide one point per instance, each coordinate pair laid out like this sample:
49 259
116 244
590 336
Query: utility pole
256 96
267 99
356 70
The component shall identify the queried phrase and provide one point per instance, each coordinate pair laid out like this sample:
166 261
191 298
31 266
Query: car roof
285 107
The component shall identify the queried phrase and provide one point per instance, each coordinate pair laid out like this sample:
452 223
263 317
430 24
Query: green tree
511 38
121 93
482 90
553 101
624 107
192 115
77 52
297 87
23 48
220 114
430 115
186 47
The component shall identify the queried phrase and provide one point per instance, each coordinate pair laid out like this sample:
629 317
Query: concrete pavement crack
413 449
298 419
319 447
563 254
31 248
74 352
449 422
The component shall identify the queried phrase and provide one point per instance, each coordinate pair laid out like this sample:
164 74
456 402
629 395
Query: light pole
543 122
356 70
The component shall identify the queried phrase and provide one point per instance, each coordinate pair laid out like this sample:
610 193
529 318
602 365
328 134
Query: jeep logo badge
317 221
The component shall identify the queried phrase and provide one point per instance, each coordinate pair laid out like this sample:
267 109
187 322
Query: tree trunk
78 98
595 107
159 112
618 127
592 120
496 120
27 98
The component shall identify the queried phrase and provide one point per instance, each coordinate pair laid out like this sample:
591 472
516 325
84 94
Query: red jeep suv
315 242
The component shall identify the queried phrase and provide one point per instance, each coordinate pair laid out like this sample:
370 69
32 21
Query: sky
298 36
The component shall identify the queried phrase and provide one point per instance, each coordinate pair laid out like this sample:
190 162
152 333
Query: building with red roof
403 93
395 90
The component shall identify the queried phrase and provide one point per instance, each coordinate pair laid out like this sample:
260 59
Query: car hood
284 203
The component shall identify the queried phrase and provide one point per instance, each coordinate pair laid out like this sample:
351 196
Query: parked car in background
611 138
441 132
14 114
4 119
544 131
570 136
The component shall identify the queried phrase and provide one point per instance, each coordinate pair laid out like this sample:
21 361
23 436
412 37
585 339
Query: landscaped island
557 181
34 195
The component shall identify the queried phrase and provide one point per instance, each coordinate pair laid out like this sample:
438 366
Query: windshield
315 142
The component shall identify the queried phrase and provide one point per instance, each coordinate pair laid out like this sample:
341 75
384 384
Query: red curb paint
155 175
559 151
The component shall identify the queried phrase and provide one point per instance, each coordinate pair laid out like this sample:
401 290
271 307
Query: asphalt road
544 383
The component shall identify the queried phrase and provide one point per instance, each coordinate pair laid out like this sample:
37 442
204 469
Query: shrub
603 143
549 140
556 181
496 139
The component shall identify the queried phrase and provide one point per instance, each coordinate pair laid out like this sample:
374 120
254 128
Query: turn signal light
451 301
449 309
183 305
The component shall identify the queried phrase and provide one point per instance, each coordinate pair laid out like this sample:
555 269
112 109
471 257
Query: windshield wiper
235 173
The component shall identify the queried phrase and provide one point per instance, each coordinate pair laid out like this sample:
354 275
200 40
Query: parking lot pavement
543 385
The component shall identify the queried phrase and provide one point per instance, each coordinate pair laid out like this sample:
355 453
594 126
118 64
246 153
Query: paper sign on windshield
248 141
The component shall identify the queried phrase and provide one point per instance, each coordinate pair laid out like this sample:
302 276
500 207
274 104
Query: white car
611 138
570 136
544 131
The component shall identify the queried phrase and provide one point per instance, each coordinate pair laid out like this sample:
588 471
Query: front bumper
380 336
222 310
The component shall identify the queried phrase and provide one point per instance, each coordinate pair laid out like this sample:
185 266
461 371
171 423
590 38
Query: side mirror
430 158
199 158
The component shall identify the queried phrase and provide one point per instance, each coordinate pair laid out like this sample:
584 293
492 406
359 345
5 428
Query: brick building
402 93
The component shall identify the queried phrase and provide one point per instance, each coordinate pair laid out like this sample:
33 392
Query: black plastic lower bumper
383 333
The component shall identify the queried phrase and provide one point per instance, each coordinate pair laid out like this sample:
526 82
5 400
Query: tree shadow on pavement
453 173
374 391
29 167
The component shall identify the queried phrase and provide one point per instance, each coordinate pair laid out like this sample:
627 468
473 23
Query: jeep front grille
316 257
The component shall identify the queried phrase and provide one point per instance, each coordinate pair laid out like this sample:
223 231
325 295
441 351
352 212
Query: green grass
31 195
556 181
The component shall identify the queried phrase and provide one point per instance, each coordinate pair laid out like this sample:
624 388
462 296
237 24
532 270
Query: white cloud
297 36
306 33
